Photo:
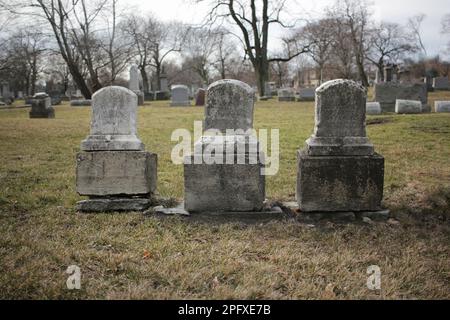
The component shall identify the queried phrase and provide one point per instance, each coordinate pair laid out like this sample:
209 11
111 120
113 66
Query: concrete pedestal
116 173
339 183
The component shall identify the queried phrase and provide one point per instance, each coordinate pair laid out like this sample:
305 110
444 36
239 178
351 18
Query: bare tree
253 19
415 26
225 50
355 16
319 39
387 42
446 27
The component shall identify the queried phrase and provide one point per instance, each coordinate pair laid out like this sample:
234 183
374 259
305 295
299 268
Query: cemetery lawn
131 255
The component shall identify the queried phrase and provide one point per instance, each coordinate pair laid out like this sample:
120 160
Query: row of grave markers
337 171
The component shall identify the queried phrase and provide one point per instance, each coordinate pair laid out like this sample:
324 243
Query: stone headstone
307 94
441 83
113 169
338 170
20 95
164 85
340 120
286 95
224 186
268 88
387 93
373 108
134 84
161 95
113 126
81 103
42 108
408 106
180 96
200 96
442 106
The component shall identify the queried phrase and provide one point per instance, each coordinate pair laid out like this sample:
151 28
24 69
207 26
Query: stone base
382 215
339 183
114 173
80 103
113 204
223 187
49 114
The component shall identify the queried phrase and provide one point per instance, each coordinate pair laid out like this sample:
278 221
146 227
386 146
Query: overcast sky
398 11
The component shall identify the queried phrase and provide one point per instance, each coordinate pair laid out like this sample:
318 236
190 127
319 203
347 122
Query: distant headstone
200 97
134 84
81 103
373 108
408 106
441 83
113 169
161 95
235 182
164 83
180 96
388 74
442 106
41 107
286 95
338 170
307 94
387 93
20 95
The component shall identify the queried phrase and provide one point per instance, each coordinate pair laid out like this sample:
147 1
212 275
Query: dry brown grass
135 256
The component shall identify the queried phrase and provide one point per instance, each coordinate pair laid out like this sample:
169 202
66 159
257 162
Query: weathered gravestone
180 96
387 94
286 95
41 106
441 83
442 106
373 108
307 94
338 170
200 97
113 168
134 84
408 106
225 173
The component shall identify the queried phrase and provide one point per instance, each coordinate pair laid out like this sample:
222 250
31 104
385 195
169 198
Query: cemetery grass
131 255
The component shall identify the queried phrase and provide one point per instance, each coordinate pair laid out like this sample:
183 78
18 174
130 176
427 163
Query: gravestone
80 103
339 171
387 94
234 181
41 107
134 84
200 97
373 108
180 96
441 83
286 95
268 91
388 73
307 94
408 106
442 106
113 168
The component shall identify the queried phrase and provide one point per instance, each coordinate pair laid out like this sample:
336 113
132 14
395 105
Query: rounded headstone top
229 105
350 84
179 86
112 90
41 95
231 82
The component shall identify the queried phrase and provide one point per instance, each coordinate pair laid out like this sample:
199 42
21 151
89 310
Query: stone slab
373 108
113 205
339 183
223 187
41 108
80 103
408 106
442 106
387 93
111 173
